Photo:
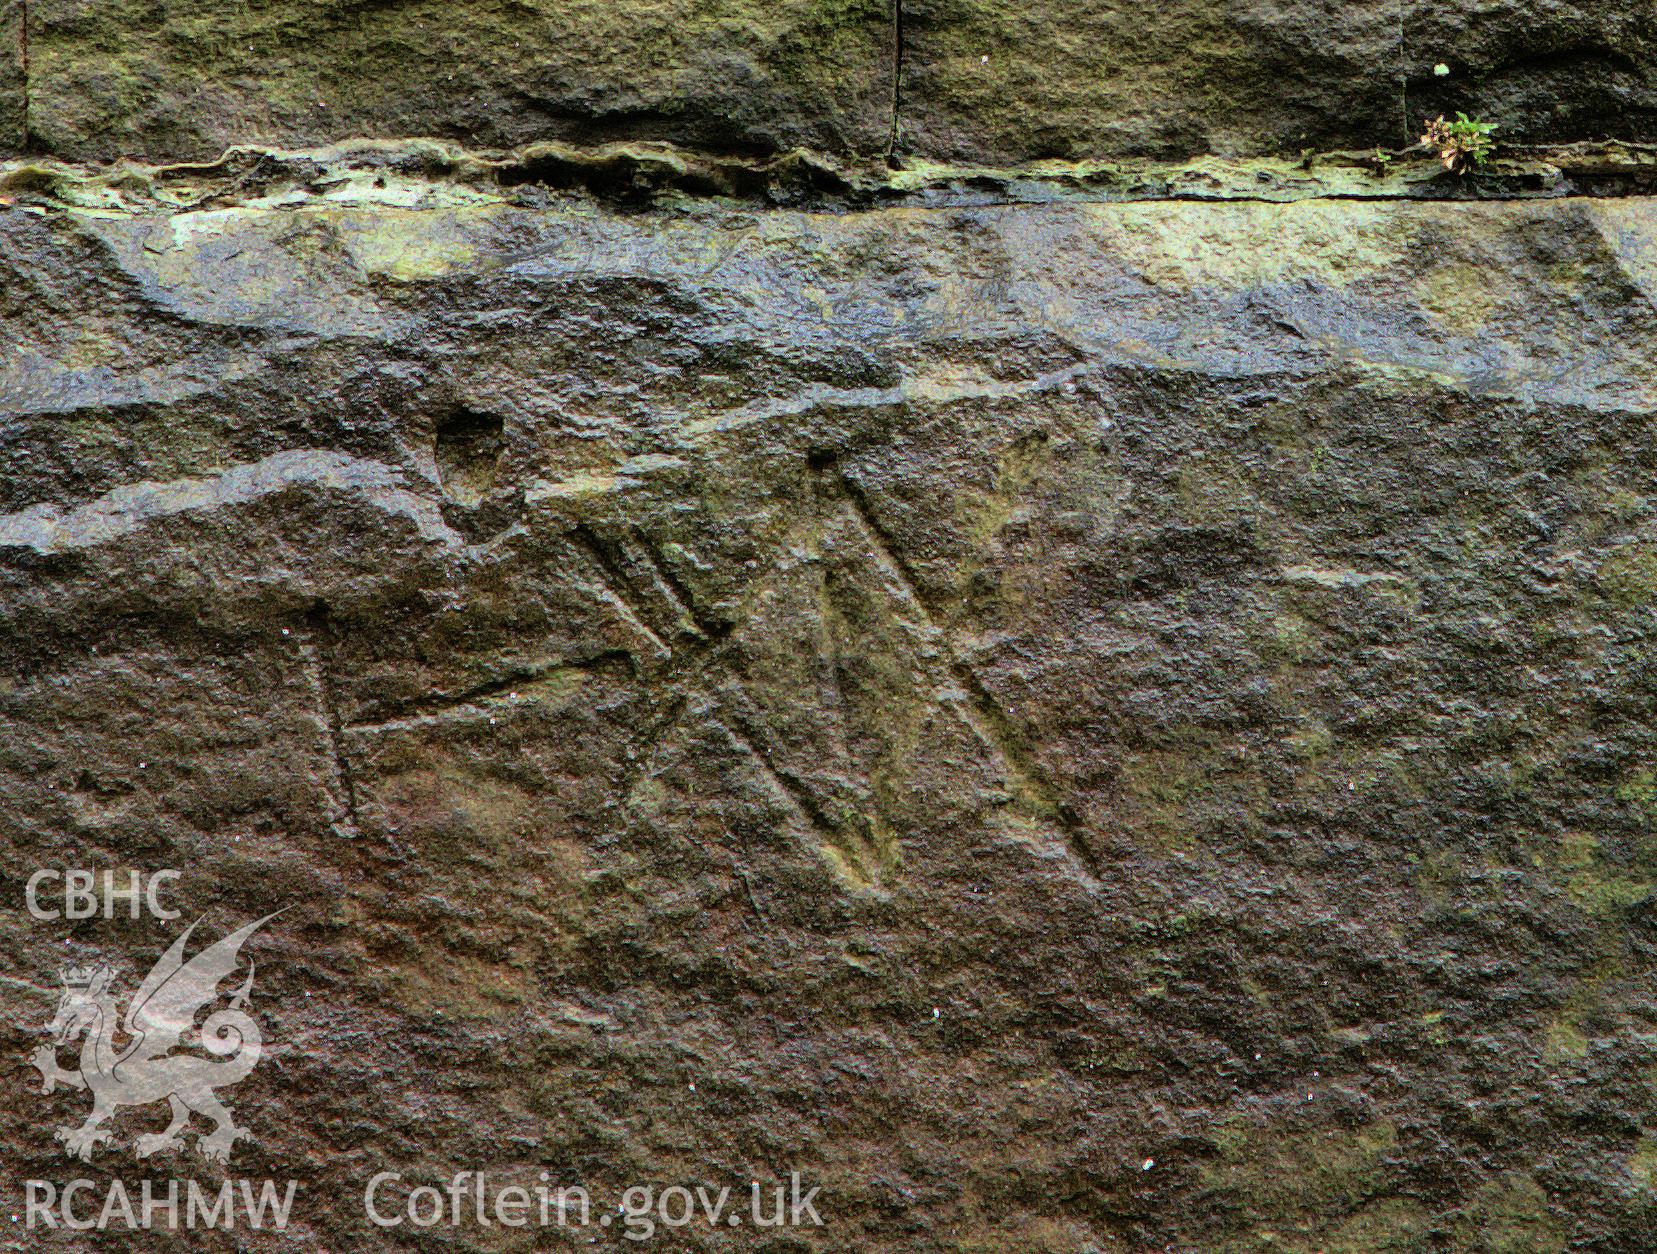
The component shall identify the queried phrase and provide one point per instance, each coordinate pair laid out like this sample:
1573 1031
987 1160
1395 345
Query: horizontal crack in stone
425 173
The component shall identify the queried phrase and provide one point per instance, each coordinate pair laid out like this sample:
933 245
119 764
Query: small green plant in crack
1463 145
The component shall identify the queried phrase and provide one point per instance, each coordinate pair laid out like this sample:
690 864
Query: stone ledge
426 173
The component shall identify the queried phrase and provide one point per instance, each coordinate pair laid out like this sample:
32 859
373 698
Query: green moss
1639 793
1216 492
1302 1190
1608 895
1463 296
1566 1038
1563 1041
1311 742
1509 1215
1642 1163
1592 885
409 246
1291 639
1438 876
1629 575
1396 1224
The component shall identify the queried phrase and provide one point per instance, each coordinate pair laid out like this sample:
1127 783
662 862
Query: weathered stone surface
980 81
990 81
183 79
12 93
1077 726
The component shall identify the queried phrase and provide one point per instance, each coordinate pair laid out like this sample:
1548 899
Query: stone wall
958 80
1081 707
